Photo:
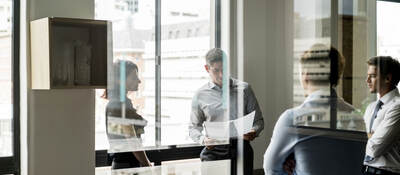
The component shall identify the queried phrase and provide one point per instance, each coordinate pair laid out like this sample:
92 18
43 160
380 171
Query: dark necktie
377 108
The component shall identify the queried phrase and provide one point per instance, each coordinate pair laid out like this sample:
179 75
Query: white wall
268 64
60 128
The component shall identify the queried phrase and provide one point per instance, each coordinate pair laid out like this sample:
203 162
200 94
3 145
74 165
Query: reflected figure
124 125
382 117
208 105
300 144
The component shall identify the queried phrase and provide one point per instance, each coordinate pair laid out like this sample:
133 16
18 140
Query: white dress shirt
384 145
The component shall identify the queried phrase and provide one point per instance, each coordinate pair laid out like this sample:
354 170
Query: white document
222 130
244 124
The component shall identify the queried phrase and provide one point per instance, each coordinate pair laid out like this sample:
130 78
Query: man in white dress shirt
382 117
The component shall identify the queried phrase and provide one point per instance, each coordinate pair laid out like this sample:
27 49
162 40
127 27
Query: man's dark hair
386 65
214 55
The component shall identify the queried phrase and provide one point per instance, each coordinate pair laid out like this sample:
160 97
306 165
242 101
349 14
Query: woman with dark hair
123 122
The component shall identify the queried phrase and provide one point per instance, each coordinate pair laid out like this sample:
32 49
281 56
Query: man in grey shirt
209 104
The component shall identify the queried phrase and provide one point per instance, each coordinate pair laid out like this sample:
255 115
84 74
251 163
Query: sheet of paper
222 130
244 124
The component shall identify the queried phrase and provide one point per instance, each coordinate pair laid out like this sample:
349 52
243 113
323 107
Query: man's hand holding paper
219 131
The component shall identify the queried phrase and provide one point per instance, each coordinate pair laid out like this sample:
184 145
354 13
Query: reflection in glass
182 64
124 125
133 28
320 71
295 135
387 37
318 22
6 133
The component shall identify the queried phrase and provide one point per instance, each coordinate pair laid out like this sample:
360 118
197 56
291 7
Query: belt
377 171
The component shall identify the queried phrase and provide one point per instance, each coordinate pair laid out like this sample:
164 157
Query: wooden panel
40 54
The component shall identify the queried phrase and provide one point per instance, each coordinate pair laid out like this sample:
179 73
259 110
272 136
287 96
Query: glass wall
331 25
132 34
9 88
329 43
6 124
176 36
165 44
185 40
387 37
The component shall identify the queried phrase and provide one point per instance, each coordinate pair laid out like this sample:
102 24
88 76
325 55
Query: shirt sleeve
386 134
281 145
196 122
252 105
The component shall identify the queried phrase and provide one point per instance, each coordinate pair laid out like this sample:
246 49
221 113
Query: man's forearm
196 135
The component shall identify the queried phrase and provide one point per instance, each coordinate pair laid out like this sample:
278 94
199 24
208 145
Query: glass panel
321 31
131 95
6 134
387 41
185 42
312 24
331 44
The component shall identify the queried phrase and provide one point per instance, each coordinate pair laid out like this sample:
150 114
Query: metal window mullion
334 43
395 1
7 165
217 23
16 85
158 72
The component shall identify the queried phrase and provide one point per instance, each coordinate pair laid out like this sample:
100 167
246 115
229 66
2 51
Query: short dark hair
386 65
214 55
322 56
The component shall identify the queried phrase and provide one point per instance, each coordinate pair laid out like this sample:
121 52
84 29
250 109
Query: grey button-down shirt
207 105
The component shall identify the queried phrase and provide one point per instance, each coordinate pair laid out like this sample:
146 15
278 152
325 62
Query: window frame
173 152
11 164
398 1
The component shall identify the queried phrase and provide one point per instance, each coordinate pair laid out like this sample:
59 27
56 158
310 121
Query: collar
321 93
389 96
212 85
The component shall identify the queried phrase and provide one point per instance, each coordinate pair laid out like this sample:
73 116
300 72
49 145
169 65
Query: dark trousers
376 171
223 152
124 160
